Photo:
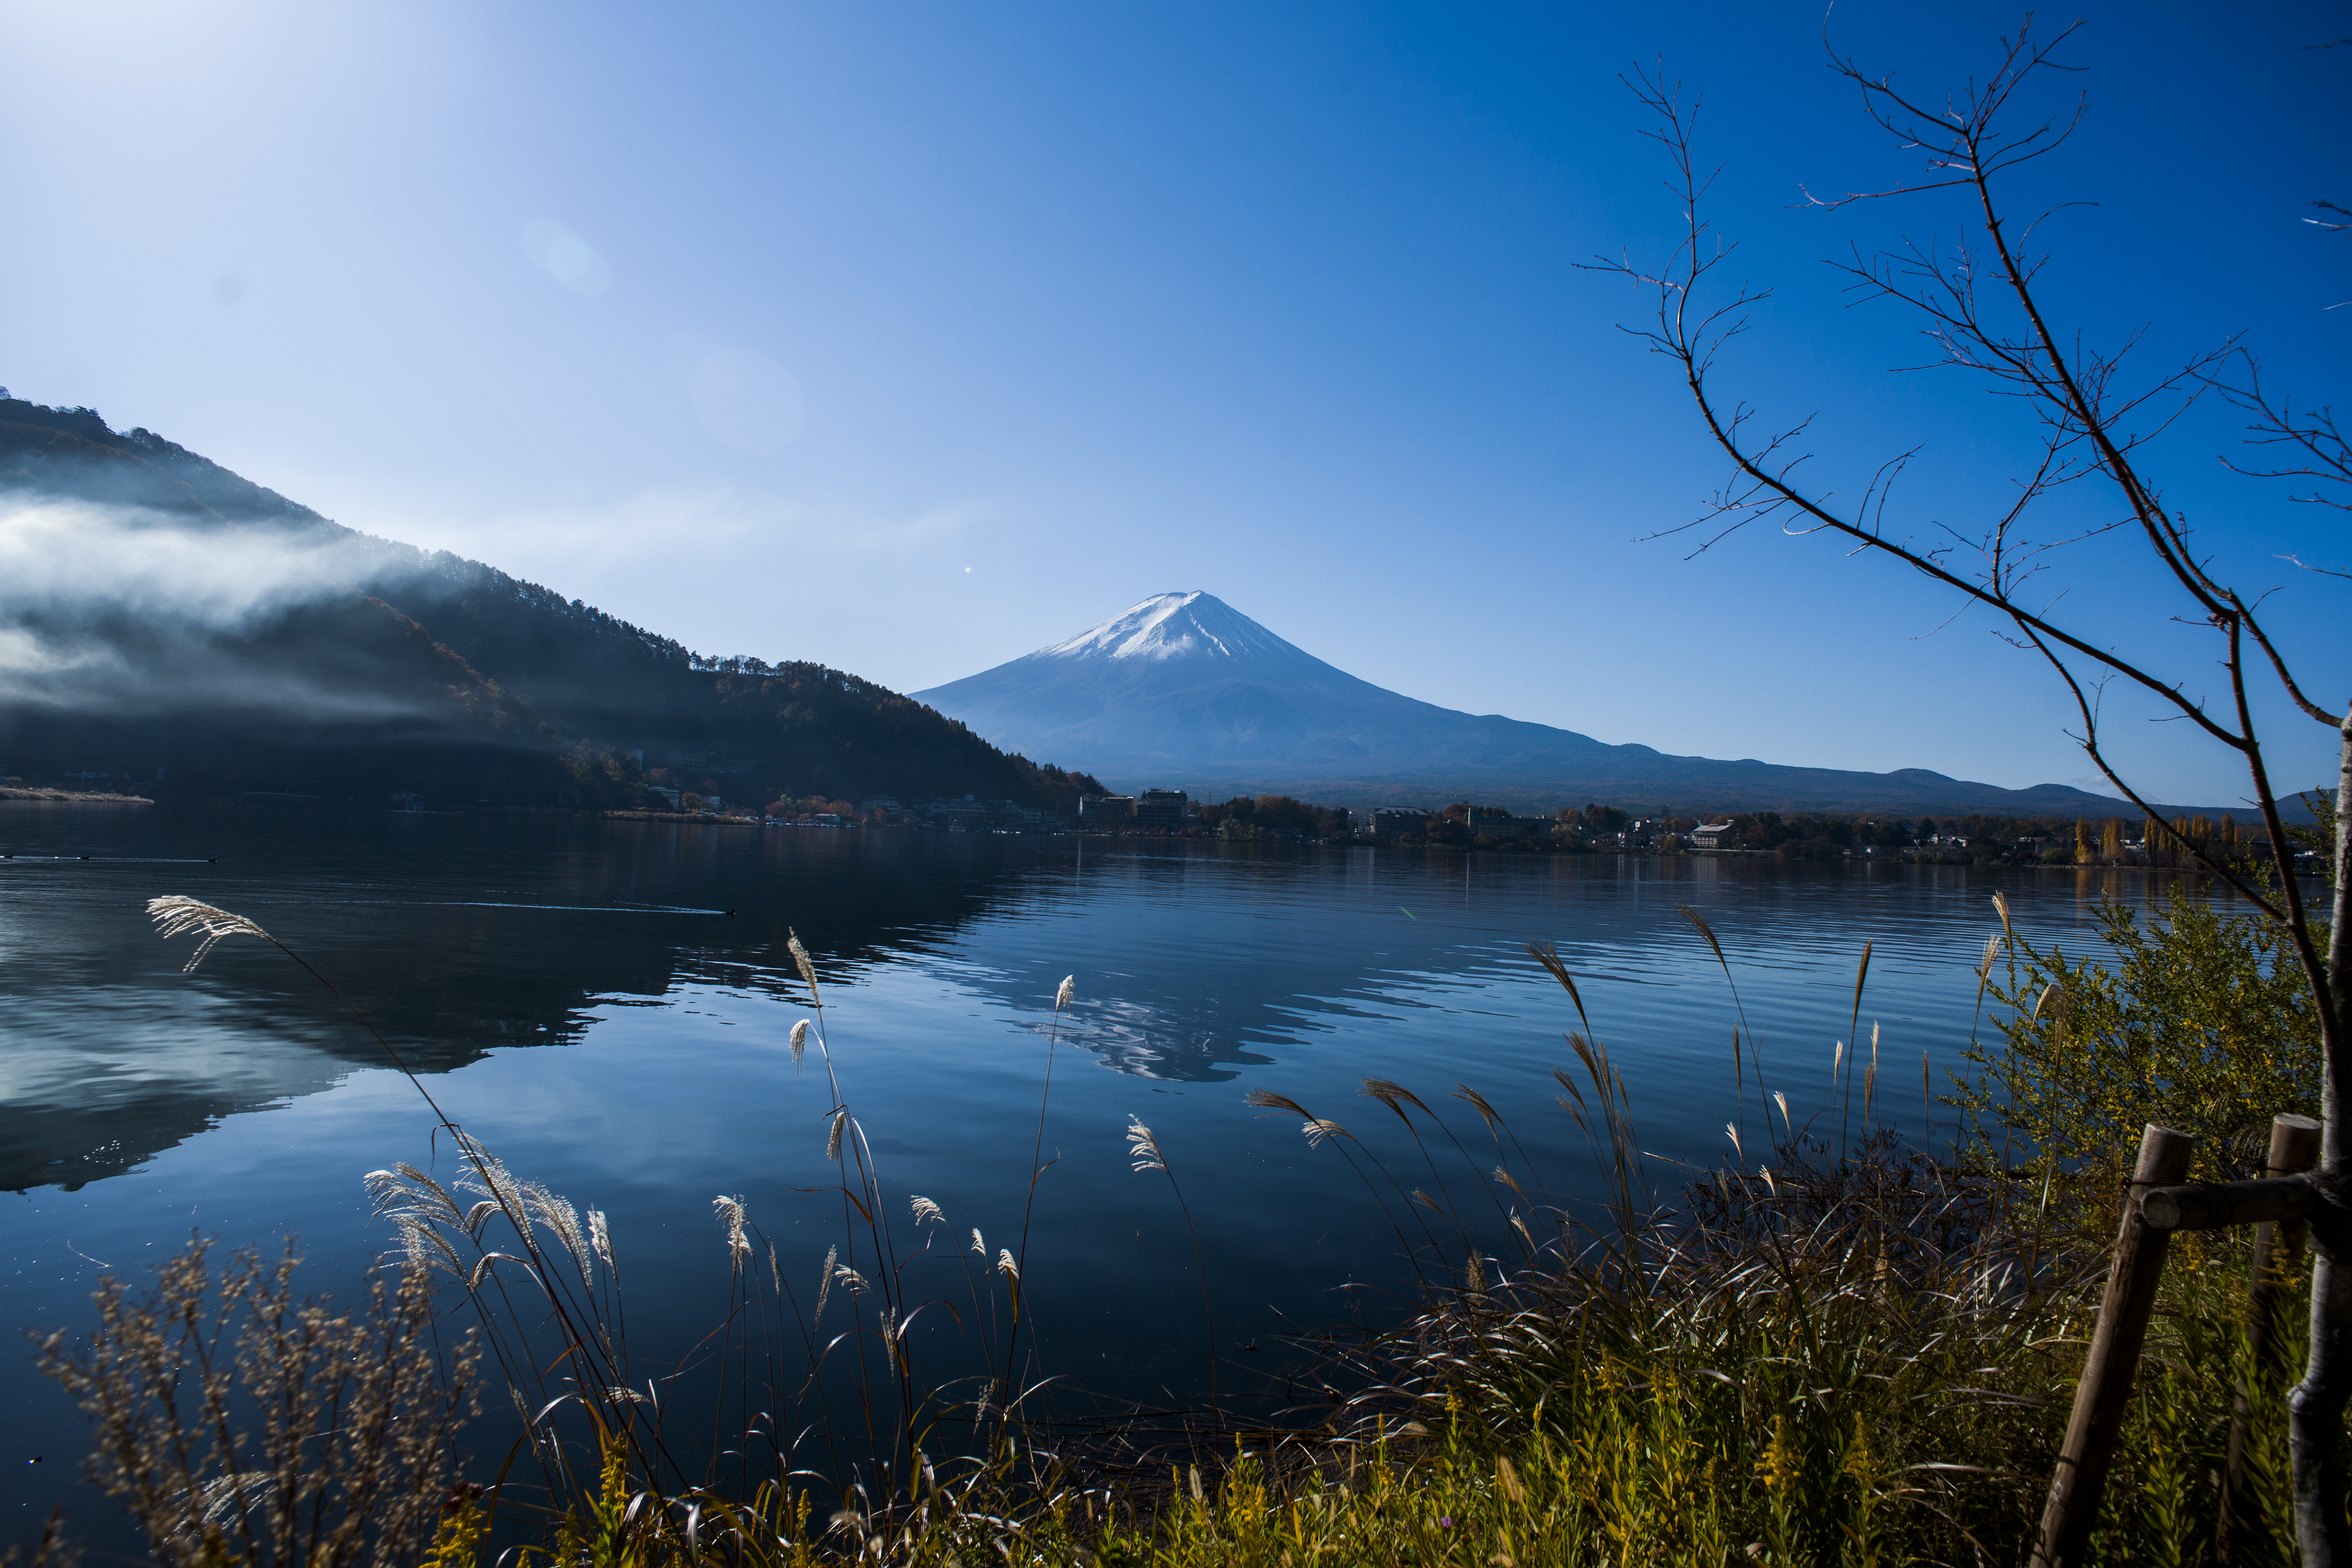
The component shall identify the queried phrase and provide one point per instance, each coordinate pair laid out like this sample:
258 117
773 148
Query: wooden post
2294 1146
2099 1399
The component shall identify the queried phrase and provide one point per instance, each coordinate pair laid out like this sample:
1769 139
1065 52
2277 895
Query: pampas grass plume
1317 1132
600 1237
1266 1100
1143 1147
178 915
801 960
731 1213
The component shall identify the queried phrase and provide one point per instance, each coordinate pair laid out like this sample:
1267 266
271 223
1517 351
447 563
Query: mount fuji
1185 691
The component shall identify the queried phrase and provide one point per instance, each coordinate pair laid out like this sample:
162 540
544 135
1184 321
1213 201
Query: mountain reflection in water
458 935
454 935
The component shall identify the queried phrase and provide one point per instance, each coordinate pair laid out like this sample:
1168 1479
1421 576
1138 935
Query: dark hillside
830 733
378 707
794 728
72 452
592 673
426 672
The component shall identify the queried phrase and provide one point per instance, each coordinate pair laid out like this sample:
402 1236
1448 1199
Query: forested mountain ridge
402 670
72 452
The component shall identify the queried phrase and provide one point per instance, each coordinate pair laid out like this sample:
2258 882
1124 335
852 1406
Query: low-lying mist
130 610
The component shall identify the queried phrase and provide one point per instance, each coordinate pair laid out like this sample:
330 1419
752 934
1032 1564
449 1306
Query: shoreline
71 797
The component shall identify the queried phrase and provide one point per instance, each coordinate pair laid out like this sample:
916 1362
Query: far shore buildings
1153 811
1161 810
973 814
1392 821
1499 825
1105 812
1487 822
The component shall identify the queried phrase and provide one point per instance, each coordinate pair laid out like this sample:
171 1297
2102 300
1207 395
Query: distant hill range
366 666
1185 691
165 614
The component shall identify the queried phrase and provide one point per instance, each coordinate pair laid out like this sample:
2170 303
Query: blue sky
911 337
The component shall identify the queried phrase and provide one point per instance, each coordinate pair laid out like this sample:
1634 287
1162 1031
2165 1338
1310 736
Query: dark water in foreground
607 1006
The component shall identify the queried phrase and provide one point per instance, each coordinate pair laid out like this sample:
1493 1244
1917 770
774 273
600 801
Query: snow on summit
1174 626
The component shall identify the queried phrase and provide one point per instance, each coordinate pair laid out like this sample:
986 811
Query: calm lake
606 1005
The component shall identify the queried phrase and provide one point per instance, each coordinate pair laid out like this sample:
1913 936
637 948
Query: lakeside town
656 792
1592 829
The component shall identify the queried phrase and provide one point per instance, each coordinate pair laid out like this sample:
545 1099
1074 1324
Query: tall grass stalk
1146 1154
1854 1034
1063 996
1698 923
1317 1132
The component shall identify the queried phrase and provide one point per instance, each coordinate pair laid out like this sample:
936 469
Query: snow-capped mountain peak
1183 689
1194 625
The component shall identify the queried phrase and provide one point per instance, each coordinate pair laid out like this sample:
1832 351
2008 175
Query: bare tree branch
1980 310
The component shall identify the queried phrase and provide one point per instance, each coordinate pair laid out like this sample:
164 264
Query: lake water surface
606 1005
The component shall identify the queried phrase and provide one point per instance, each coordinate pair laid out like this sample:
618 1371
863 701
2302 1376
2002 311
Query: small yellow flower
1778 1467
1858 1463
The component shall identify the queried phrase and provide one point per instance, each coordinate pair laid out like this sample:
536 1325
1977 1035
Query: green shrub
2193 1017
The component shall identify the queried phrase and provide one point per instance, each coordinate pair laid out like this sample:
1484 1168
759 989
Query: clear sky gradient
910 337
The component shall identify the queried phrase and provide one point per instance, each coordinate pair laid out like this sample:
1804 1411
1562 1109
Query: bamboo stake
2099 1398
2294 1147
2218 1205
